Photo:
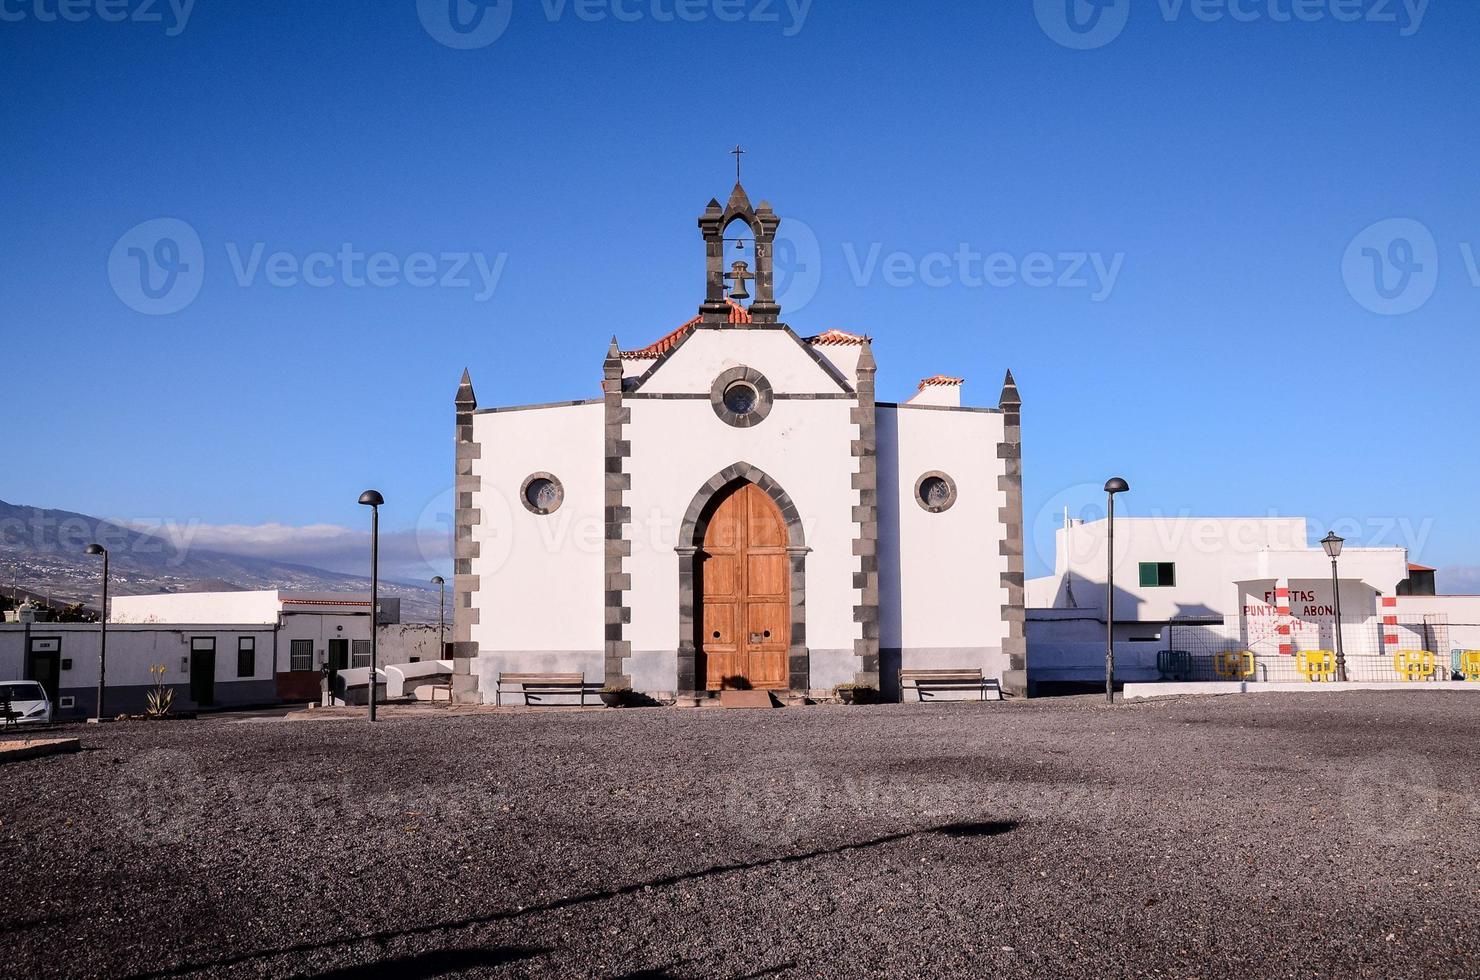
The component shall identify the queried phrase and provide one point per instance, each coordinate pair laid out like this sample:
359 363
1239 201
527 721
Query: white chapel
733 509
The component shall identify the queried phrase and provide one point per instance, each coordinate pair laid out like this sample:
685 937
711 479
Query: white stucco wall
940 586
706 353
804 444
1211 554
196 607
133 649
540 595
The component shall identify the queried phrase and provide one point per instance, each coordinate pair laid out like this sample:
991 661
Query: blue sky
1225 171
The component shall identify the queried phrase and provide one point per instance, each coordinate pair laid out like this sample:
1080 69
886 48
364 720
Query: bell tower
762 222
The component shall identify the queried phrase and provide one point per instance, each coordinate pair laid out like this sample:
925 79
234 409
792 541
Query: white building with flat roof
1205 586
312 629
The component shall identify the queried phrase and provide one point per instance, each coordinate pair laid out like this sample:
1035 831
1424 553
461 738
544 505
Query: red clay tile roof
830 338
739 315
942 380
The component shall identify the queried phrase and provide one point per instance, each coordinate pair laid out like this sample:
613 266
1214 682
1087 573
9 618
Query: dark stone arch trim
691 537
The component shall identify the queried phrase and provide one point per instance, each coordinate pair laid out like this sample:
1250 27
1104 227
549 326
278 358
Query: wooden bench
966 679
537 685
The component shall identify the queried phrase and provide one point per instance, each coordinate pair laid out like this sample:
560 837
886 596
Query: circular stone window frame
765 398
950 497
559 494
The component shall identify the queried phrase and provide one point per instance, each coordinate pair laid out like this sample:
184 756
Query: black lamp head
371 498
96 549
1116 485
1333 544
438 580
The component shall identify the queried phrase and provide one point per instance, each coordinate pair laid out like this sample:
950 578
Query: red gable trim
940 380
739 316
835 337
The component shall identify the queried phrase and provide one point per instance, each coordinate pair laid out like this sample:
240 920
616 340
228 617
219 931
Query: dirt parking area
1267 835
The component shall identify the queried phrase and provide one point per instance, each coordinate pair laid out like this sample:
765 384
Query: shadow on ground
429 964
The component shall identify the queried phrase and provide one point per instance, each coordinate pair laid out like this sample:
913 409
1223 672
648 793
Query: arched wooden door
744 578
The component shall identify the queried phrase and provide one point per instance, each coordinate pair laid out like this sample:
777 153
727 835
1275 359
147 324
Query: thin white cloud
413 554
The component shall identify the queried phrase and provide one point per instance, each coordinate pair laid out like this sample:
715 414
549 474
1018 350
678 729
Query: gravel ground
1268 835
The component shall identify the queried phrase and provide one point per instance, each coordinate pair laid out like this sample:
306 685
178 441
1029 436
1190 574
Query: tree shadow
960 830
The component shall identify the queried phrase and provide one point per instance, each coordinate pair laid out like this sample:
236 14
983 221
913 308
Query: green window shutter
1148 575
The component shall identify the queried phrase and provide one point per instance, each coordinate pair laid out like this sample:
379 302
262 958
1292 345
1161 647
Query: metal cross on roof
737 152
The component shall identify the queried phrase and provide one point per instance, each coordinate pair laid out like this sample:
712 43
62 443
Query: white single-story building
312 628
206 664
218 649
1205 587
734 509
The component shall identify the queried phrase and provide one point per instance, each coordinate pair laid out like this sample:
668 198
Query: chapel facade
736 510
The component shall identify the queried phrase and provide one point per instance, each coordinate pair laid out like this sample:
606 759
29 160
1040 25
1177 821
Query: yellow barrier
1316 665
1469 664
1414 665
1234 664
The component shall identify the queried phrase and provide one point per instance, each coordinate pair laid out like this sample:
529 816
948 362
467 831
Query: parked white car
27 703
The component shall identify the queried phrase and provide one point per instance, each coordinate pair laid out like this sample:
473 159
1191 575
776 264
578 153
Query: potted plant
847 693
615 697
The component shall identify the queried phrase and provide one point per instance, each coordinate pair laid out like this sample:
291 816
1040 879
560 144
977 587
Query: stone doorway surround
691 536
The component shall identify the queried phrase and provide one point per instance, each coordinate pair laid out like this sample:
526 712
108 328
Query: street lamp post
1333 544
1112 487
441 584
373 500
97 549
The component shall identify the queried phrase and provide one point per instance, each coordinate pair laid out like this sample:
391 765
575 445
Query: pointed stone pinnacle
1010 395
465 395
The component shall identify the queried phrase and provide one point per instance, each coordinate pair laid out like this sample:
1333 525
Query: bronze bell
739 275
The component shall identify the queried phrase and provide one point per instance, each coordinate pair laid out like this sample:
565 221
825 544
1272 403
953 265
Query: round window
741 398
542 494
935 491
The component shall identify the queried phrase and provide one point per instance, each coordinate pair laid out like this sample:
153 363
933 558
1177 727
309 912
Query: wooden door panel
720 577
720 627
745 583
766 576
766 529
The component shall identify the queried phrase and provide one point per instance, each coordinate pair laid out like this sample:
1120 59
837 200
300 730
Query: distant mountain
42 551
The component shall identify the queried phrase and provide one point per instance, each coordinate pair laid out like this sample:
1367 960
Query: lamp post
1112 486
1333 544
441 584
97 549
373 500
